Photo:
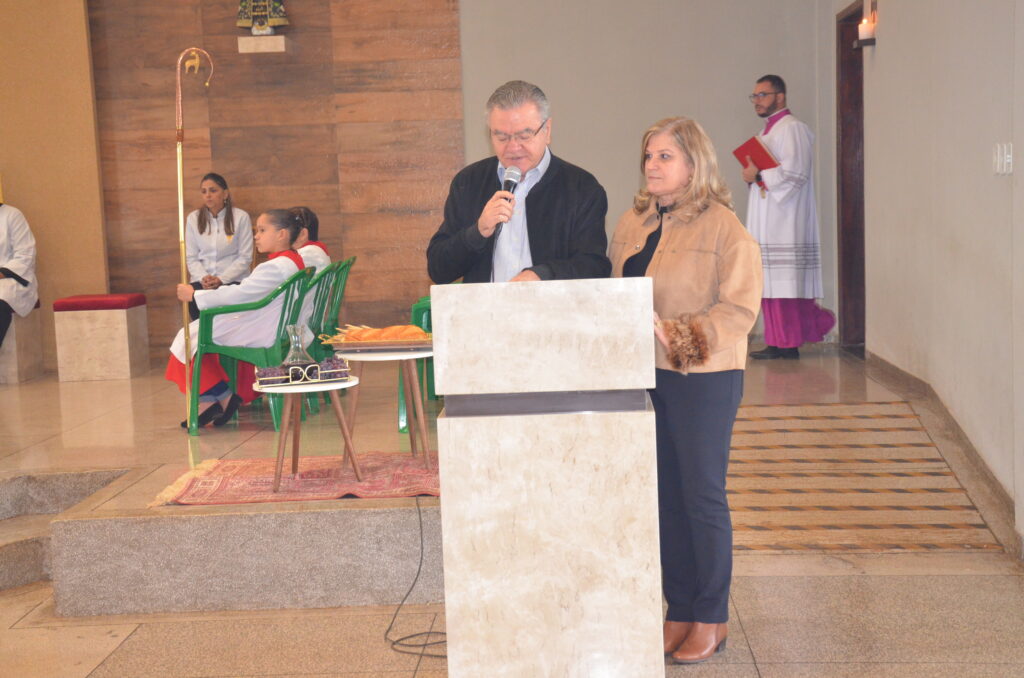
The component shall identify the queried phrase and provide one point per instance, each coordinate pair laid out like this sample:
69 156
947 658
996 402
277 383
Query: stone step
31 492
28 502
24 550
256 556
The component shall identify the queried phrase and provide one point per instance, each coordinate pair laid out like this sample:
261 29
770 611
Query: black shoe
207 415
789 353
229 411
767 353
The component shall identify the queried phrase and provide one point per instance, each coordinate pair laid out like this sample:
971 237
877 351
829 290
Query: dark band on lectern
557 402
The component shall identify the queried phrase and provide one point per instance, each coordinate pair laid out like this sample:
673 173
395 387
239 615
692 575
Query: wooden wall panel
383 76
360 120
397 148
134 48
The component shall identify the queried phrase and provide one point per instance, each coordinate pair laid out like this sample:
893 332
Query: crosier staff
192 64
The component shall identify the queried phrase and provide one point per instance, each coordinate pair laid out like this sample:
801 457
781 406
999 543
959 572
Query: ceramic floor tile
709 670
85 447
789 565
71 653
822 374
50 653
141 492
431 645
879 670
24 527
361 674
13 443
17 603
890 619
261 647
43 614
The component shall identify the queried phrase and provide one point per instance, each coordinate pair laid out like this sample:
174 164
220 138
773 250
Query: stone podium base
550 525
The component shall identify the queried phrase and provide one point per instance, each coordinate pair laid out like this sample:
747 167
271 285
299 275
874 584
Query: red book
758 152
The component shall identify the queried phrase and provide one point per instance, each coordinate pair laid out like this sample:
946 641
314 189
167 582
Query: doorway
850 178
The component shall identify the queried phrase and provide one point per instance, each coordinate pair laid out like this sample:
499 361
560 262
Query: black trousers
6 316
694 416
193 310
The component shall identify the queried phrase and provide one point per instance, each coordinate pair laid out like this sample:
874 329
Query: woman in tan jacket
706 268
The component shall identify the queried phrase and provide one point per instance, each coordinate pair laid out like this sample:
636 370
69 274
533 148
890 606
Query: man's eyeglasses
759 96
521 137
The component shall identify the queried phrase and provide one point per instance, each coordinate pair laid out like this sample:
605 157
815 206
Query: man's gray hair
515 93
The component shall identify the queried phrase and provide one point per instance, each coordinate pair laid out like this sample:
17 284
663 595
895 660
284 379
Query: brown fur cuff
687 343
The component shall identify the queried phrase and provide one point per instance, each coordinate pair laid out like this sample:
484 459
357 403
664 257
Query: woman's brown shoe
703 641
674 634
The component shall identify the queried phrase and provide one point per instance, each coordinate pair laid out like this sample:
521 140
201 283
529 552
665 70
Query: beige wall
612 68
944 236
48 150
944 292
1018 270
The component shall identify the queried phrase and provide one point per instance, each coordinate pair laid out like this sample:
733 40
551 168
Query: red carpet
248 481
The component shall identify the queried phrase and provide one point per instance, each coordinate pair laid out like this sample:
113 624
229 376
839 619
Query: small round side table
291 420
413 394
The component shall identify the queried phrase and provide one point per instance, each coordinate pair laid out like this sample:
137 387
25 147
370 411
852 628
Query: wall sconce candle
866 30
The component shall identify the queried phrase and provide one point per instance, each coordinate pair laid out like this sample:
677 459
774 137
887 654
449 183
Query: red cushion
99 302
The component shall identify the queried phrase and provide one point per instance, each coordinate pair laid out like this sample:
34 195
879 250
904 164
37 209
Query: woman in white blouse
218 238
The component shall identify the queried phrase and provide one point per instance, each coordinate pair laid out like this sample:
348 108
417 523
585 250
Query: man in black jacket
551 228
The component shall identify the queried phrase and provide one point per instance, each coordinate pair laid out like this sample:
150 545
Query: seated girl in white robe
276 231
308 244
314 253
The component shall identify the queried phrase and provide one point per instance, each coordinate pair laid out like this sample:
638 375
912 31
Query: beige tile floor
794 615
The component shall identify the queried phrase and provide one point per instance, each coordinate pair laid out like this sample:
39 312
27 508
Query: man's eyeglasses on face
521 137
759 96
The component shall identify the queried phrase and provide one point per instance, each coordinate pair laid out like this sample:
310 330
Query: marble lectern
549 515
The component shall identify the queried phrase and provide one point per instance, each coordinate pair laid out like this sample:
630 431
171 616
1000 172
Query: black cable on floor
417 643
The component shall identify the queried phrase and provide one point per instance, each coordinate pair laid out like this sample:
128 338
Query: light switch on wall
1002 159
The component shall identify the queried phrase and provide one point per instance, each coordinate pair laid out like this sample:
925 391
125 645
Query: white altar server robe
785 220
314 255
18 255
251 329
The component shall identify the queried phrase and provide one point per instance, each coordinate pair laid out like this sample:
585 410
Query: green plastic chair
420 317
328 290
292 292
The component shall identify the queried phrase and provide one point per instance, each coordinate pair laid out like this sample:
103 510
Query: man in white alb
18 287
783 217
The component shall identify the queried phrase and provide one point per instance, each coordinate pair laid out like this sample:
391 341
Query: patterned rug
846 477
250 481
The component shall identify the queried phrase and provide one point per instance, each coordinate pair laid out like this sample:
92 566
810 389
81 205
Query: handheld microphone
512 177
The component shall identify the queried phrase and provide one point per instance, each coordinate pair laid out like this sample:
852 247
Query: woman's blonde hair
706 183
